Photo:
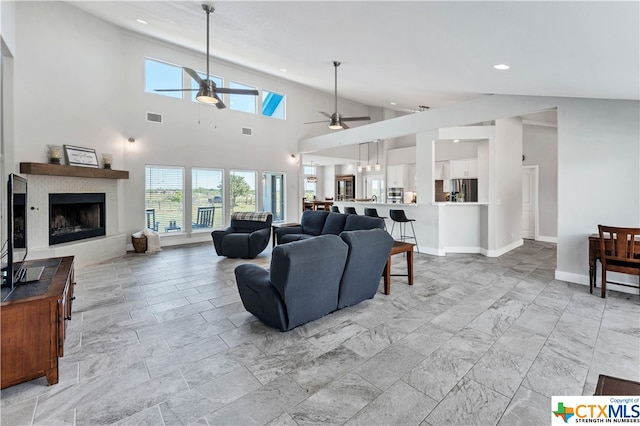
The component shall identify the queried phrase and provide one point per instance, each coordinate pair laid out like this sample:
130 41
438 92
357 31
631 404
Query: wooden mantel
73 171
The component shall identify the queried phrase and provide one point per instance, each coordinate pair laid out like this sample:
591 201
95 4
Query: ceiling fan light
206 96
334 122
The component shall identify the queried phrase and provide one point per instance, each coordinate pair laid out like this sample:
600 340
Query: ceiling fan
336 121
207 91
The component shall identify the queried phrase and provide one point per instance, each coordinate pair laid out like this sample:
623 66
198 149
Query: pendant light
359 165
377 166
368 165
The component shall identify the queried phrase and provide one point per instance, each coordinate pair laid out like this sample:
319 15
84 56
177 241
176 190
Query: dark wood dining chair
619 252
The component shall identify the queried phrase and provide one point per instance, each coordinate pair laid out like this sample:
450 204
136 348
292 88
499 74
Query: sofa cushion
368 254
306 275
334 223
313 221
357 222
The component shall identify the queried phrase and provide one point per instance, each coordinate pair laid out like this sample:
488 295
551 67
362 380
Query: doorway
530 202
273 194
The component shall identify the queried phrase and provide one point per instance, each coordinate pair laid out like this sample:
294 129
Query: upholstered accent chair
247 236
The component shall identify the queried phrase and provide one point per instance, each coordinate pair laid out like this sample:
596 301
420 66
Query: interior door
528 202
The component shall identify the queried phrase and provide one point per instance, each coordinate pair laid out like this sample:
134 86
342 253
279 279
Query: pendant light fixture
368 165
359 158
377 166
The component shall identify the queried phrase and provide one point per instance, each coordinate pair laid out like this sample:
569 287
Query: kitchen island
442 227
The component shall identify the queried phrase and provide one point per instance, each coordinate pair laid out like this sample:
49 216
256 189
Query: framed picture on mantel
79 156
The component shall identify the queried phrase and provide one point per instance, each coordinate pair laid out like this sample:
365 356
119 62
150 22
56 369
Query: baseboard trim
584 280
463 249
505 249
547 239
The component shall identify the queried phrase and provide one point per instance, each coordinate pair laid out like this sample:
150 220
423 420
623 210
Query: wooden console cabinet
34 321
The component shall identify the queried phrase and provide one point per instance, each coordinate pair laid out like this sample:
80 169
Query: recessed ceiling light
456 140
501 67
393 103
283 70
141 21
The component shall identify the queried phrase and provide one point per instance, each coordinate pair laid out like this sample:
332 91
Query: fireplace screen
76 217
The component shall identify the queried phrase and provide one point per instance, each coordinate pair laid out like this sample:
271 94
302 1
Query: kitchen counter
450 203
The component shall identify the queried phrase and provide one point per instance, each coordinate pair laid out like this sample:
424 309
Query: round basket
139 244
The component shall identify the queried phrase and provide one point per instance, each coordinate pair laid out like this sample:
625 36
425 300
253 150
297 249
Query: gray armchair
302 284
247 236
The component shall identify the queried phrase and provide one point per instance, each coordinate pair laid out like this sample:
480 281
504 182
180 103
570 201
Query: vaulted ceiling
411 53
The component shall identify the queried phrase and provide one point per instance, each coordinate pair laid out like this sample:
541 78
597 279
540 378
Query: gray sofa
312 277
314 223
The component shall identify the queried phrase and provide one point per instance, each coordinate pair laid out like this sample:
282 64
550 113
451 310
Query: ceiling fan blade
314 122
220 104
343 124
325 114
355 118
236 91
175 90
194 75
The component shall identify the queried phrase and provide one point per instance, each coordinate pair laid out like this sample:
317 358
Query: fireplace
75 217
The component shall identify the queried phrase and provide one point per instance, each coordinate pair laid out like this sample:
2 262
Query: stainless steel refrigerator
469 187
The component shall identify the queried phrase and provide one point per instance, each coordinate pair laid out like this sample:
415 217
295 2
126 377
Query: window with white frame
273 104
207 199
245 103
310 182
161 75
164 198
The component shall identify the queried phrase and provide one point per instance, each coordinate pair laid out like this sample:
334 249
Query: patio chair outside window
204 219
151 220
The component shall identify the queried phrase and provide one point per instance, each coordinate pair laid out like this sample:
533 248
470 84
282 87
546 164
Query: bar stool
400 217
371 212
335 209
350 210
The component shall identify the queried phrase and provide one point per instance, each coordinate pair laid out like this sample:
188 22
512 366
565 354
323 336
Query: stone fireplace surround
89 251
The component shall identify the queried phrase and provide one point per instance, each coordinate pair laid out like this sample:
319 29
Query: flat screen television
16 245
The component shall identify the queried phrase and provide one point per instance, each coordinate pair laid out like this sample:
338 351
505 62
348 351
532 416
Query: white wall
80 80
540 147
505 190
598 176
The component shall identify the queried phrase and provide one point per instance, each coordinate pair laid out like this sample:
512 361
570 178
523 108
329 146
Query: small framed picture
79 156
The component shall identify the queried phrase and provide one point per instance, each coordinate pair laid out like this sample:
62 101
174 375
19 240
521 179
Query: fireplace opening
75 217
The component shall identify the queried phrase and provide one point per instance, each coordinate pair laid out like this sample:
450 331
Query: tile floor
164 340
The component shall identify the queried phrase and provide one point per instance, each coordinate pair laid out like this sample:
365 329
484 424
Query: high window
164 201
207 199
245 103
216 79
161 75
273 104
242 187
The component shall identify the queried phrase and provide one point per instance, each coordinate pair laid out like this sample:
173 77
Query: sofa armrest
284 230
260 297
218 235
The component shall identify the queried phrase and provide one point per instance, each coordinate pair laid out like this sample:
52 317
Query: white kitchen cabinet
396 176
442 170
464 169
